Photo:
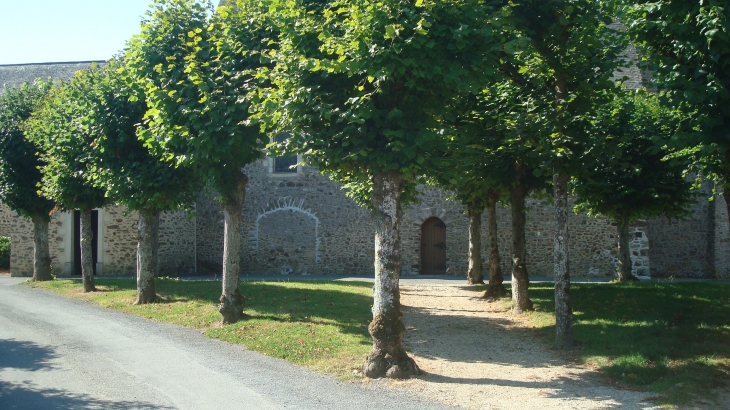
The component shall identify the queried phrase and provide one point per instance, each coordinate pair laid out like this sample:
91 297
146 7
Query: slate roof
12 75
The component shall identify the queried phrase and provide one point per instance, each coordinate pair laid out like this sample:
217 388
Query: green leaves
630 173
364 85
20 158
687 45
58 126
200 106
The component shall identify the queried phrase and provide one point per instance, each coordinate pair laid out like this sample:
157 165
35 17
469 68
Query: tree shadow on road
28 396
25 355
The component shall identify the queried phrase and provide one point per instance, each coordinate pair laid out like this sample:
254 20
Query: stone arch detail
427 213
286 204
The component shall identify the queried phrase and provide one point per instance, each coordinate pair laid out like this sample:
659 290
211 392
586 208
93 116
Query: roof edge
55 63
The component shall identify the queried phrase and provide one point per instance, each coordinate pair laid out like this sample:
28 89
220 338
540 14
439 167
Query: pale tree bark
231 301
41 252
87 259
563 309
474 275
520 280
624 253
148 228
726 196
496 279
388 356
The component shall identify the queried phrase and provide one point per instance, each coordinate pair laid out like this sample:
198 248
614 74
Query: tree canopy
20 158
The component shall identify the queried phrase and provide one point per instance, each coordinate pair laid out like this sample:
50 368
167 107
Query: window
284 165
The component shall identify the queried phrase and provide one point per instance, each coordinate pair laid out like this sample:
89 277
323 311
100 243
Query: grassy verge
321 325
669 338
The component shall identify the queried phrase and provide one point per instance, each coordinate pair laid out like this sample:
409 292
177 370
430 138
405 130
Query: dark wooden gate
433 247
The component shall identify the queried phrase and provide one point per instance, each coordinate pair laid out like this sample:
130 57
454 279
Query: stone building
297 221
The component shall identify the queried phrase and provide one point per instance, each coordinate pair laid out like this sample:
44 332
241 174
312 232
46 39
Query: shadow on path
27 396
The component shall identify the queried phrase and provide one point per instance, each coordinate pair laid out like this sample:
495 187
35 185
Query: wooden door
433 247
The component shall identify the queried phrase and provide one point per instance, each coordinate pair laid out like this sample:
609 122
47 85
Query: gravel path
477 356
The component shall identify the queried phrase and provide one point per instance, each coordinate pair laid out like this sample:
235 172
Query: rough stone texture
118 252
118 229
292 223
722 238
303 223
20 231
684 247
176 244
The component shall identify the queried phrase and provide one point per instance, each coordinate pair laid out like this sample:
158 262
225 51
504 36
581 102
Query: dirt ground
490 361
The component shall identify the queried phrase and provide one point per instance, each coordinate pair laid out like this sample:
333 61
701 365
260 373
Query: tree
574 52
629 173
687 46
198 69
362 86
126 170
20 169
511 121
66 152
479 174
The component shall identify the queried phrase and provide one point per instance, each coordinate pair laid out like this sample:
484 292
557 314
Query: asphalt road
59 353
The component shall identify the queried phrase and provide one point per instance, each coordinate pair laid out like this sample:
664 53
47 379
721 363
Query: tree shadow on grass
28 396
304 301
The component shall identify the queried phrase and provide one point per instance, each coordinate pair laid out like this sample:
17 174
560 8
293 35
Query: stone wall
118 229
303 223
21 244
292 223
722 238
684 247
177 244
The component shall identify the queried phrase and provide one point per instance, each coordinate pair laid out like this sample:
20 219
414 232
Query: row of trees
493 100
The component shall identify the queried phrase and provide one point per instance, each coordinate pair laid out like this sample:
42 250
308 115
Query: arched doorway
433 247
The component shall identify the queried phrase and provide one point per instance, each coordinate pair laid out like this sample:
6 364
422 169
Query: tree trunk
520 280
726 196
231 301
474 275
563 310
147 246
496 280
41 253
624 254
388 357
87 259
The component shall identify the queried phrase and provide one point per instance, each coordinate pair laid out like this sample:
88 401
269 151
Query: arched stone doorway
433 247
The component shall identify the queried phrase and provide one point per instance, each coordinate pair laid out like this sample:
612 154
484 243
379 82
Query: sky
46 31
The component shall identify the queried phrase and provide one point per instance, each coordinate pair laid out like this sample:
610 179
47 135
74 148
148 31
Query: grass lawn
670 338
321 325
